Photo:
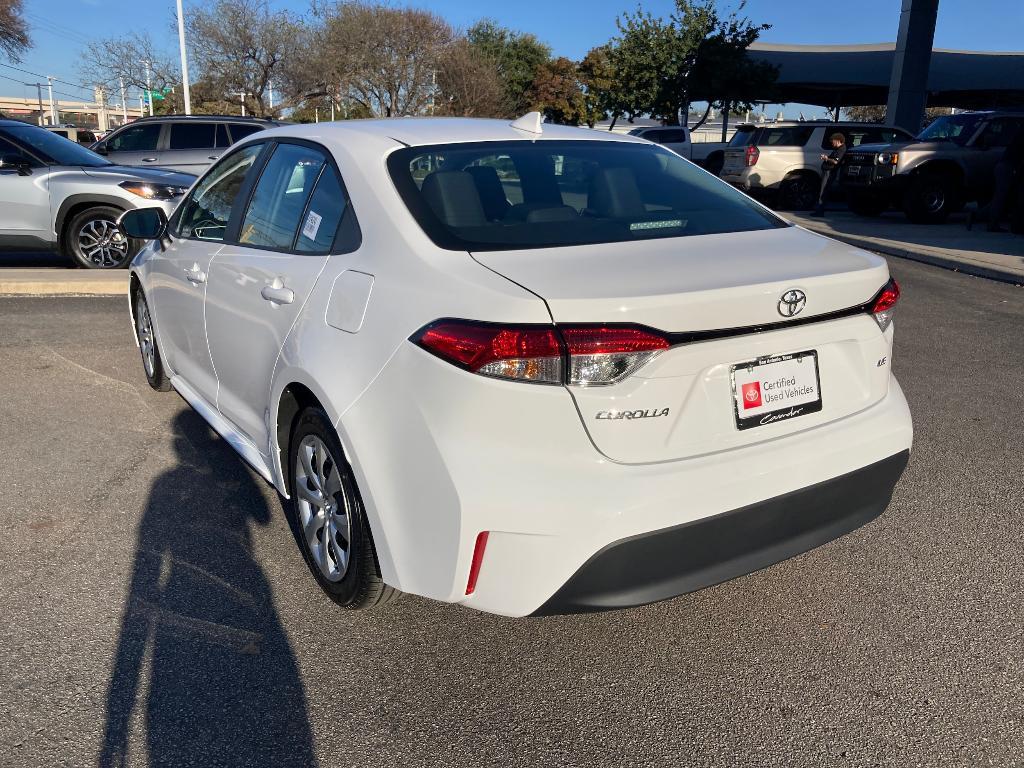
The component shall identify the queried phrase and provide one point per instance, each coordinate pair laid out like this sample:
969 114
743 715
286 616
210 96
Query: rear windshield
519 194
742 137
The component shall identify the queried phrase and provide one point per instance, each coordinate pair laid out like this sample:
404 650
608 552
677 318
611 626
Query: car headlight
888 158
153 191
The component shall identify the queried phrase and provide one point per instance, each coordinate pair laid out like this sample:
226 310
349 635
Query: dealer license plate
773 389
853 170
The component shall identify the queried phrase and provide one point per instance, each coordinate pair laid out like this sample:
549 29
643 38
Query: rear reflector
597 355
478 559
883 308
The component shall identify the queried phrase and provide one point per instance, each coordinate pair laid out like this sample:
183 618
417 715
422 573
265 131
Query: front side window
1000 132
192 135
206 212
520 194
280 197
135 138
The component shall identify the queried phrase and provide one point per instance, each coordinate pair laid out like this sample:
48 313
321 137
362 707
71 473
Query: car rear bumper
458 454
663 564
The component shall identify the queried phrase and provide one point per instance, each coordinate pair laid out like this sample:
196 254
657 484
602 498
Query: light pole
184 61
39 94
149 88
53 109
124 105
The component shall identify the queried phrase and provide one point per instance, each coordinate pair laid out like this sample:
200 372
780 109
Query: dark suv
949 164
187 143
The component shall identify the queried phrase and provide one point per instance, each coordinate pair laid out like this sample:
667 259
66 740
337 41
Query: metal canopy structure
851 75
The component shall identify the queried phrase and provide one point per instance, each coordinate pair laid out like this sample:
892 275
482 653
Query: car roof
422 131
232 118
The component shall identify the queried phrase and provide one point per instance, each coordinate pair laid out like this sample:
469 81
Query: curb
36 286
966 268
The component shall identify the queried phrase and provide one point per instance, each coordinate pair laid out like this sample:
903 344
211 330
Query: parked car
784 159
74 133
951 163
708 154
56 194
530 369
179 142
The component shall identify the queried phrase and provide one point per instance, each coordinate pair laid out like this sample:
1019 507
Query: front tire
152 363
93 240
930 198
328 516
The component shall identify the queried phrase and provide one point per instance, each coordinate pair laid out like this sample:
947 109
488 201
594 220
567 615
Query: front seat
492 194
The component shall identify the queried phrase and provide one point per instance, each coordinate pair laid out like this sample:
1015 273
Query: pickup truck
949 164
707 154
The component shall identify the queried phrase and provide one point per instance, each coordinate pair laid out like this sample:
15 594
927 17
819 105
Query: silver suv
180 142
56 194
951 163
784 158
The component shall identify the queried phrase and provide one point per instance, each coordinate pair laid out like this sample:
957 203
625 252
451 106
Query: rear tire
328 517
800 192
92 239
152 363
930 198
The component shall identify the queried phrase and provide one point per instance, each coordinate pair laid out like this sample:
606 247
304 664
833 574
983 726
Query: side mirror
143 223
99 148
15 163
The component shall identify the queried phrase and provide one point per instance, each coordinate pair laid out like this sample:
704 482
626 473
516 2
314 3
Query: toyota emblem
792 302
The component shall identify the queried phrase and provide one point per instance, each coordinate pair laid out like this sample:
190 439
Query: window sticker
312 225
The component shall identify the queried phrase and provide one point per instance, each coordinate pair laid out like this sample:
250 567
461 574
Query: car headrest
453 197
492 194
614 193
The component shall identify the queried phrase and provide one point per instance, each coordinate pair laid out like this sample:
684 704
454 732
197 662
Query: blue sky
571 27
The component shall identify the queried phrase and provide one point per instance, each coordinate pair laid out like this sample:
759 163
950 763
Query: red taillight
597 354
883 308
478 559
530 354
752 154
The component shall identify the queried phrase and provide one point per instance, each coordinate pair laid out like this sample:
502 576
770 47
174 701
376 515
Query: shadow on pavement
202 654
34 260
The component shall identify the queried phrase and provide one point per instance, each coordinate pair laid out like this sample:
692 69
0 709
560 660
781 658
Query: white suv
785 158
525 368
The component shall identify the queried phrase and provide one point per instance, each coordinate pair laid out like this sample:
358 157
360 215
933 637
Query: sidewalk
995 255
47 274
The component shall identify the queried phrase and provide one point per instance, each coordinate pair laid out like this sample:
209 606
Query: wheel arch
947 168
295 393
75 204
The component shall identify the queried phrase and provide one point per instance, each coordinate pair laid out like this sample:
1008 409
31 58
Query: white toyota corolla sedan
527 368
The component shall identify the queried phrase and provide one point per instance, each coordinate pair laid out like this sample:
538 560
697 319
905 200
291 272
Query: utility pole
270 87
124 105
142 106
149 88
53 109
184 60
39 94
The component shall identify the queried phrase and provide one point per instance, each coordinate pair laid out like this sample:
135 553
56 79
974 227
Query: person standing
829 165
1009 173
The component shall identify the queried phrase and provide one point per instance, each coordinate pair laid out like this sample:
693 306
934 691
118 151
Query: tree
239 46
517 57
697 55
557 92
876 113
107 62
14 38
384 59
468 83
597 76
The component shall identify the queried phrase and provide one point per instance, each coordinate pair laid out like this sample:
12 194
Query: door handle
212 157
149 159
278 294
196 276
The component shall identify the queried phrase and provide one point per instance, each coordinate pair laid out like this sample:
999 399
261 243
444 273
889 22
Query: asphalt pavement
156 610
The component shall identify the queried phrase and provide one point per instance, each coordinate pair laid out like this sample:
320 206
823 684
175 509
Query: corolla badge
792 302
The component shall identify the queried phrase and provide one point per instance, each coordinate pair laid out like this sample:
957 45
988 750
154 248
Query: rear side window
240 130
205 214
135 138
323 215
61 133
193 136
521 194
789 136
280 197
666 136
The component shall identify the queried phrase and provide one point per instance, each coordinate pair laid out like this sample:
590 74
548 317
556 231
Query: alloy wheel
144 328
102 243
324 506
